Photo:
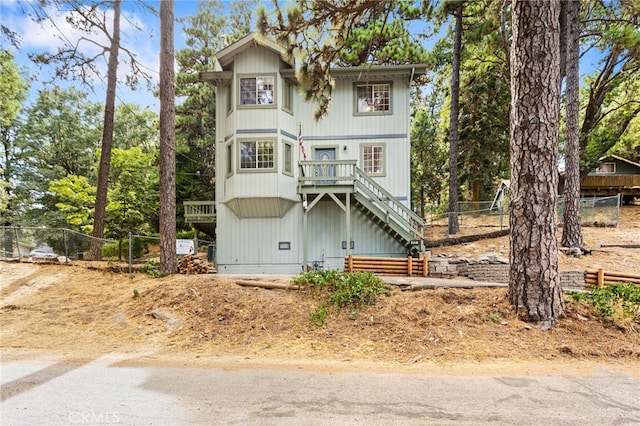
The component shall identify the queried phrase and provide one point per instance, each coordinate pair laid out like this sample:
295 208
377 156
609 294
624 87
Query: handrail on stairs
390 206
346 172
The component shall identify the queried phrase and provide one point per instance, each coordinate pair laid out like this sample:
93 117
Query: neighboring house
615 175
294 192
18 249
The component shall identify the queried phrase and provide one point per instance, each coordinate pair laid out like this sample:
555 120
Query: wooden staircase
387 212
373 200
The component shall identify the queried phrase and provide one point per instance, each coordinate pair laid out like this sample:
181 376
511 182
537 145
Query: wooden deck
611 185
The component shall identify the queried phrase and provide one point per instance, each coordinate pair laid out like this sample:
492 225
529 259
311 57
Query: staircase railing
389 208
398 217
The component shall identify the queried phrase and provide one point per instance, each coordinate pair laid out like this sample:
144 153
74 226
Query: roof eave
412 70
215 77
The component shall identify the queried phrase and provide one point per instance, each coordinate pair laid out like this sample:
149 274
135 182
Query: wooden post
600 277
350 263
410 265
425 266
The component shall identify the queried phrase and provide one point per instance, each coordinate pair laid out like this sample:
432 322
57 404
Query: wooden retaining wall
600 277
408 266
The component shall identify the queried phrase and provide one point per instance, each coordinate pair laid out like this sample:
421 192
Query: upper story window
287 96
229 98
257 155
373 98
257 90
607 168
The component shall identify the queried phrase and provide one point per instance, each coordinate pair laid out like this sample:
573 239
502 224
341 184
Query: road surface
112 391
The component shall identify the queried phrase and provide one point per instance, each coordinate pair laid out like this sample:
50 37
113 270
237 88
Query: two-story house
293 192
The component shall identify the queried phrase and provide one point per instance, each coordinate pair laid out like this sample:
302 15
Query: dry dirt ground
81 312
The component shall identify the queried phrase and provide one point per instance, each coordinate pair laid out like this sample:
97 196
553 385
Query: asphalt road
108 391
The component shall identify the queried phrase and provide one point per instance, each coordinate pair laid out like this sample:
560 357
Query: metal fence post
66 249
17 243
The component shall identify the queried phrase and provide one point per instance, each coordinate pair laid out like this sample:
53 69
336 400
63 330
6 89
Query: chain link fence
65 245
594 211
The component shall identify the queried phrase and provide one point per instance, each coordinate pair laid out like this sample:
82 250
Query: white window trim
382 145
613 164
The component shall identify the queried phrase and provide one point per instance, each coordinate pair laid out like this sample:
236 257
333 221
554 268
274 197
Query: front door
329 155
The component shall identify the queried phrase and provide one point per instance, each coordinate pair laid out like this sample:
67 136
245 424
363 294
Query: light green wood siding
247 243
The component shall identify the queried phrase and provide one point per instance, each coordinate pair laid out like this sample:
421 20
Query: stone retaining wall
491 268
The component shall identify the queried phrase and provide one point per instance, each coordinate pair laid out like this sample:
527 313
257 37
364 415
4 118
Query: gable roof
225 56
617 157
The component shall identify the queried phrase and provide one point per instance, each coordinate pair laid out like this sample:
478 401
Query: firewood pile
192 264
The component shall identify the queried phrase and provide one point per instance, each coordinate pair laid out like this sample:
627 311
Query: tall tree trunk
453 124
534 281
167 142
7 243
107 137
572 230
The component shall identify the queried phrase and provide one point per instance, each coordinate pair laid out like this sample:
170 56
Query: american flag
301 143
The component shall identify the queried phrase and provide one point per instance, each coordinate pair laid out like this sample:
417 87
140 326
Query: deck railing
373 196
199 211
333 172
615 181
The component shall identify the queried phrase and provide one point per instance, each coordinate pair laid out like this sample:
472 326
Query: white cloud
139 35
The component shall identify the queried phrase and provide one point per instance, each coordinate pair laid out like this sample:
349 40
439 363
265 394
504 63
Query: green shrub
341 290
150 267
186 235
616 303
138 248
319 315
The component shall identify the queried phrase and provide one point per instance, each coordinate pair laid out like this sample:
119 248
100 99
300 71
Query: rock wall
491 268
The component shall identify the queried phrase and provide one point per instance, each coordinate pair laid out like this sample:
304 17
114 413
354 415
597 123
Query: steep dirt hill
86 312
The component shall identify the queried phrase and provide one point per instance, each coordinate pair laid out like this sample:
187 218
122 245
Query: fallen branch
268 285
465 239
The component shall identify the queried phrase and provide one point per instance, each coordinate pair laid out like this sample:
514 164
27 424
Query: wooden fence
408 266
600 277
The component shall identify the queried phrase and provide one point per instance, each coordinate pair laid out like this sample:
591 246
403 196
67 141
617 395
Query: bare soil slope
83 312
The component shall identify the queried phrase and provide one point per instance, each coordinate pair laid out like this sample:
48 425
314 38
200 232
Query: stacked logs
192 264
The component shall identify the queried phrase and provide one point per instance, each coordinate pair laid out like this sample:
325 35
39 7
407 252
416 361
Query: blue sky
144 42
